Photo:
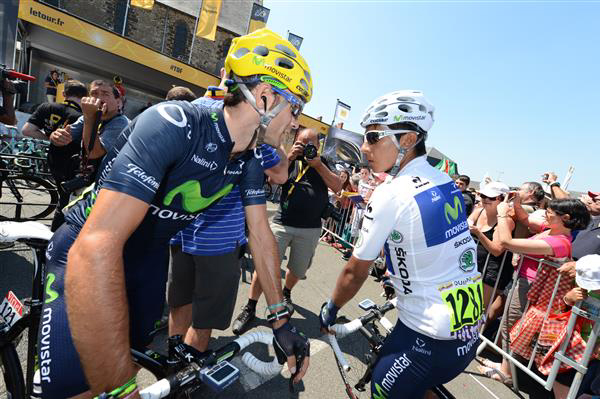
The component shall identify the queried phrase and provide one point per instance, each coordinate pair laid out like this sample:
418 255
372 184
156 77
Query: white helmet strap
402 152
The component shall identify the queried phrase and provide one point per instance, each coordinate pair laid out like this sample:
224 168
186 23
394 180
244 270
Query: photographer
63 161
297 224
7 110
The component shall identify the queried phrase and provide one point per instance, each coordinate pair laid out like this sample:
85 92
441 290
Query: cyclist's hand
328 315
61 137
292 346
388 288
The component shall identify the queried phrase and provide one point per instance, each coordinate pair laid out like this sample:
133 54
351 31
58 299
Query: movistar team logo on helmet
399 118
466 262
258 60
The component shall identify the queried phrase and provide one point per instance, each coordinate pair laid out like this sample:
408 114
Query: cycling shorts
61 373
410 363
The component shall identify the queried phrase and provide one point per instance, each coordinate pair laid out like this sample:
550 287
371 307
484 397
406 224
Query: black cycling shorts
146 269
410 363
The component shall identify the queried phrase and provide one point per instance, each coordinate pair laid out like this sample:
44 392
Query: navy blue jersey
175 156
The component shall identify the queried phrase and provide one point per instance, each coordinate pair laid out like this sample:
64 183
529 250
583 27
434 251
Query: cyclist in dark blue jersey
108 263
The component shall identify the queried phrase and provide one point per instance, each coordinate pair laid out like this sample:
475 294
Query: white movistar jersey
420 220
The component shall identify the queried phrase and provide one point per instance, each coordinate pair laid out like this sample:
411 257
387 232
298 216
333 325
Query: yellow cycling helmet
264 52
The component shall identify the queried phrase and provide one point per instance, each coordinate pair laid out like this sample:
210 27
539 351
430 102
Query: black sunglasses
490 198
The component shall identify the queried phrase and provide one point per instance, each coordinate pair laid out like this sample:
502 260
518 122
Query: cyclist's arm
265 254
95 290
378 222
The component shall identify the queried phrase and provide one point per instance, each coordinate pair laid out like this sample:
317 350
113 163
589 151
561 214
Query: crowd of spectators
529 229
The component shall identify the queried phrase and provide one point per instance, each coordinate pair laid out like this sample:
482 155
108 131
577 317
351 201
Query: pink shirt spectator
561 245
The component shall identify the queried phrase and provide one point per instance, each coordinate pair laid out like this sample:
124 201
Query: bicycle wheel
25 197
360 358
12 373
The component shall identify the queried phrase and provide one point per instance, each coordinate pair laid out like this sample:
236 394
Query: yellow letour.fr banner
207 25
87 33
145 4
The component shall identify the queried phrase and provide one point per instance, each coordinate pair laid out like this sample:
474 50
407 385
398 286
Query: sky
515 83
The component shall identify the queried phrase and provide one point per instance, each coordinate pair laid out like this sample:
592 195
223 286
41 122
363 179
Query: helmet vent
422 108
406 99
261 50
405 108
381 114
284 63
285 50
304 84
242 51
307 75
380 108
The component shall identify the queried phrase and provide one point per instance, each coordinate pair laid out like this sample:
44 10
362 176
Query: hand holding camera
549 177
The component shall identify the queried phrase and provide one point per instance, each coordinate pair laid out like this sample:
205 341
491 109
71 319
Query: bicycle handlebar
191 373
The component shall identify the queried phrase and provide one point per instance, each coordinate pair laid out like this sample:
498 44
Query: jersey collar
414 164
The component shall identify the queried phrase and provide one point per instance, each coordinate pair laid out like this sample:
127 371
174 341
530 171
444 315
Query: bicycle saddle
13 231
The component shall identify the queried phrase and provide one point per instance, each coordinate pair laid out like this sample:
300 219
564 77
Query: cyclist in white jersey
420 220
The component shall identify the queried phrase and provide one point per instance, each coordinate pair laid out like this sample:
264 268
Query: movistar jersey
175 157
419 219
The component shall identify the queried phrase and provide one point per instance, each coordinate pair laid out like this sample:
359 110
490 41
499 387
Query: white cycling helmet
402 106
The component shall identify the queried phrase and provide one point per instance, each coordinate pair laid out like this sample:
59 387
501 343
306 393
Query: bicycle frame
33 308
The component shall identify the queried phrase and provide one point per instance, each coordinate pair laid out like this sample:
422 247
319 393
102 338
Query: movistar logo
51 295
398 118
452 211
380 394
214 116
258 60
192 199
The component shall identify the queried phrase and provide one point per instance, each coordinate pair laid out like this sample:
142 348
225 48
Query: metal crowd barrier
589 309
345 223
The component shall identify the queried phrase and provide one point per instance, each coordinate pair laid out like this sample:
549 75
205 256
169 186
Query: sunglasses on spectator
489 198
373 136
295 104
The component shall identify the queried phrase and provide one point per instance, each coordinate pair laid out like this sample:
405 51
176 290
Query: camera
18 80
310 151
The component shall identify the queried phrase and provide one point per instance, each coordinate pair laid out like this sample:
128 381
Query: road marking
483 386
251 380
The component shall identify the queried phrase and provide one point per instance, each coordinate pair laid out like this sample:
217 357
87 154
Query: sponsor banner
258 17
295 40
342 111
207 25
343 146
87 33
145 4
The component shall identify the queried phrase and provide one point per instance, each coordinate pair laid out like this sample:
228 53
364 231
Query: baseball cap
494 189
588 272
593 194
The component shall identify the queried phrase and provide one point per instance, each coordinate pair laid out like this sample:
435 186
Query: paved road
322 380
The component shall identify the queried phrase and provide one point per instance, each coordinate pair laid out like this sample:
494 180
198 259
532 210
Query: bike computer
366 304
220 376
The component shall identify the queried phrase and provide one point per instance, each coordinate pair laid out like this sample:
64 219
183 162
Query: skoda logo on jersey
396 237
444 218
466 262
420 343
211 147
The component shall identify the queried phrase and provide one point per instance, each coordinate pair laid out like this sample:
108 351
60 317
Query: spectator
532 195
298 221
180 93
462 182
212 245
491 254
51 83
7 110
63 161
554 243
